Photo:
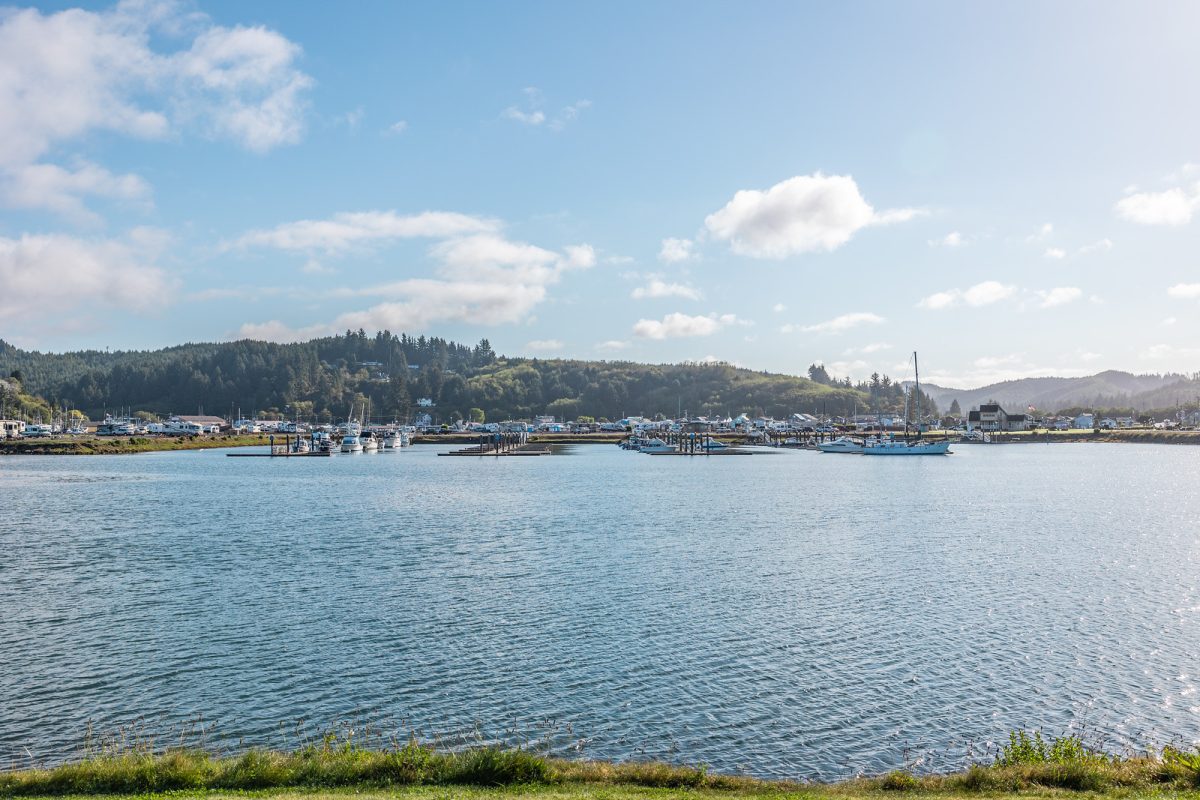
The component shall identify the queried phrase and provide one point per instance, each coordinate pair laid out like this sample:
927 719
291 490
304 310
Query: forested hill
324 378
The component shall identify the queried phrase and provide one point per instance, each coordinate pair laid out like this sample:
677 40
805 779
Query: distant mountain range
1109 389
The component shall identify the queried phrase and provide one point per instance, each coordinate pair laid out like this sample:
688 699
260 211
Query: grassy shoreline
121 445
1028 766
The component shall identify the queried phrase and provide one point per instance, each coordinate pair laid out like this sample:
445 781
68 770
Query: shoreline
1030 765
128 445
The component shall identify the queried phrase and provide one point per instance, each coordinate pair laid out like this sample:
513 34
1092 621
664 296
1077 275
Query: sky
1010 189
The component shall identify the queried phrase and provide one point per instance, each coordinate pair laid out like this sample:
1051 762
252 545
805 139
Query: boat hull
901 449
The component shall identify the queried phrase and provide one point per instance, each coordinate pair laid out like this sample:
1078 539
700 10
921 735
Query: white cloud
981 294
482 279
1185 291
396 128
658 288
347 229
843 323
612 344
868 349
1042 233
1102 245
940 300
986 370
779 308
67 74
1172 353
802 214
1168 322
676 250
1059 296
525 117
1054 252
533 115
952 239
674 326
71 275
53 188
988 292
315 267
544 345
1171 207
352 119
569 114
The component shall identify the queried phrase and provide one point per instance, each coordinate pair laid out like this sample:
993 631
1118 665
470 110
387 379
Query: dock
503 444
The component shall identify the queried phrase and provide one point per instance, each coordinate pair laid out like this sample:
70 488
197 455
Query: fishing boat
842 444
657 445
908 447
370 444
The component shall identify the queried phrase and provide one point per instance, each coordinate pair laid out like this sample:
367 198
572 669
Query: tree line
323 379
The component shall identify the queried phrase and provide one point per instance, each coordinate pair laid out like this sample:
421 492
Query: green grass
1028 764
119 445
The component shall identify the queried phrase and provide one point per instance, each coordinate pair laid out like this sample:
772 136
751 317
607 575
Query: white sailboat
905 447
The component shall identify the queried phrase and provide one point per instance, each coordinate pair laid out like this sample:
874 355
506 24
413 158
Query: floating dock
503 444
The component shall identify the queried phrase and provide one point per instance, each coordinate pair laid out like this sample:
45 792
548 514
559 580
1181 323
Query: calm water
790 614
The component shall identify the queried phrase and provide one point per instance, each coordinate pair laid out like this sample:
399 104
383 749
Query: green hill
324 378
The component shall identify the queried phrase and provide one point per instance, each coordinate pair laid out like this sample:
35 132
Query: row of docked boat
879 446
656 446
370 442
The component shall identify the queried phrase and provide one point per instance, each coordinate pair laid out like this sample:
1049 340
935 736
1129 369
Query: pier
503 444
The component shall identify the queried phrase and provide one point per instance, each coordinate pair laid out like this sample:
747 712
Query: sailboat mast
917 376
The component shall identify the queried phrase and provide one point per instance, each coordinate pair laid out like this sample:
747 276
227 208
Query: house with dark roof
991 417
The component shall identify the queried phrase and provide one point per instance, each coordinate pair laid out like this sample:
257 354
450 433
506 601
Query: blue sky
1011 190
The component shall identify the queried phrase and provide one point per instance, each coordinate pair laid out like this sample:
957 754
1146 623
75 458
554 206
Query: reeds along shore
1028 763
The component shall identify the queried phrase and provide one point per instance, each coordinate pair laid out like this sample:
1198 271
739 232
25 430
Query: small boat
351 444
393 440
657 446
370 444
301 445
713 444
842 444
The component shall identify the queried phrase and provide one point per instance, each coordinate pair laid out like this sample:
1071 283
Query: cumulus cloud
612 344
1173 206
675 326
544 345
345 230
68 274
676 250
483 279
1055 252
838 324
55 188
1059 296
64 75
981 294
806 213
1185 291
659 288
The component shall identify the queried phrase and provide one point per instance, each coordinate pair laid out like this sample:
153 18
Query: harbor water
790 614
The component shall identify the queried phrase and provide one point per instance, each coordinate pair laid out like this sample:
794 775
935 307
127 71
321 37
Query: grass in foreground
1027 764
